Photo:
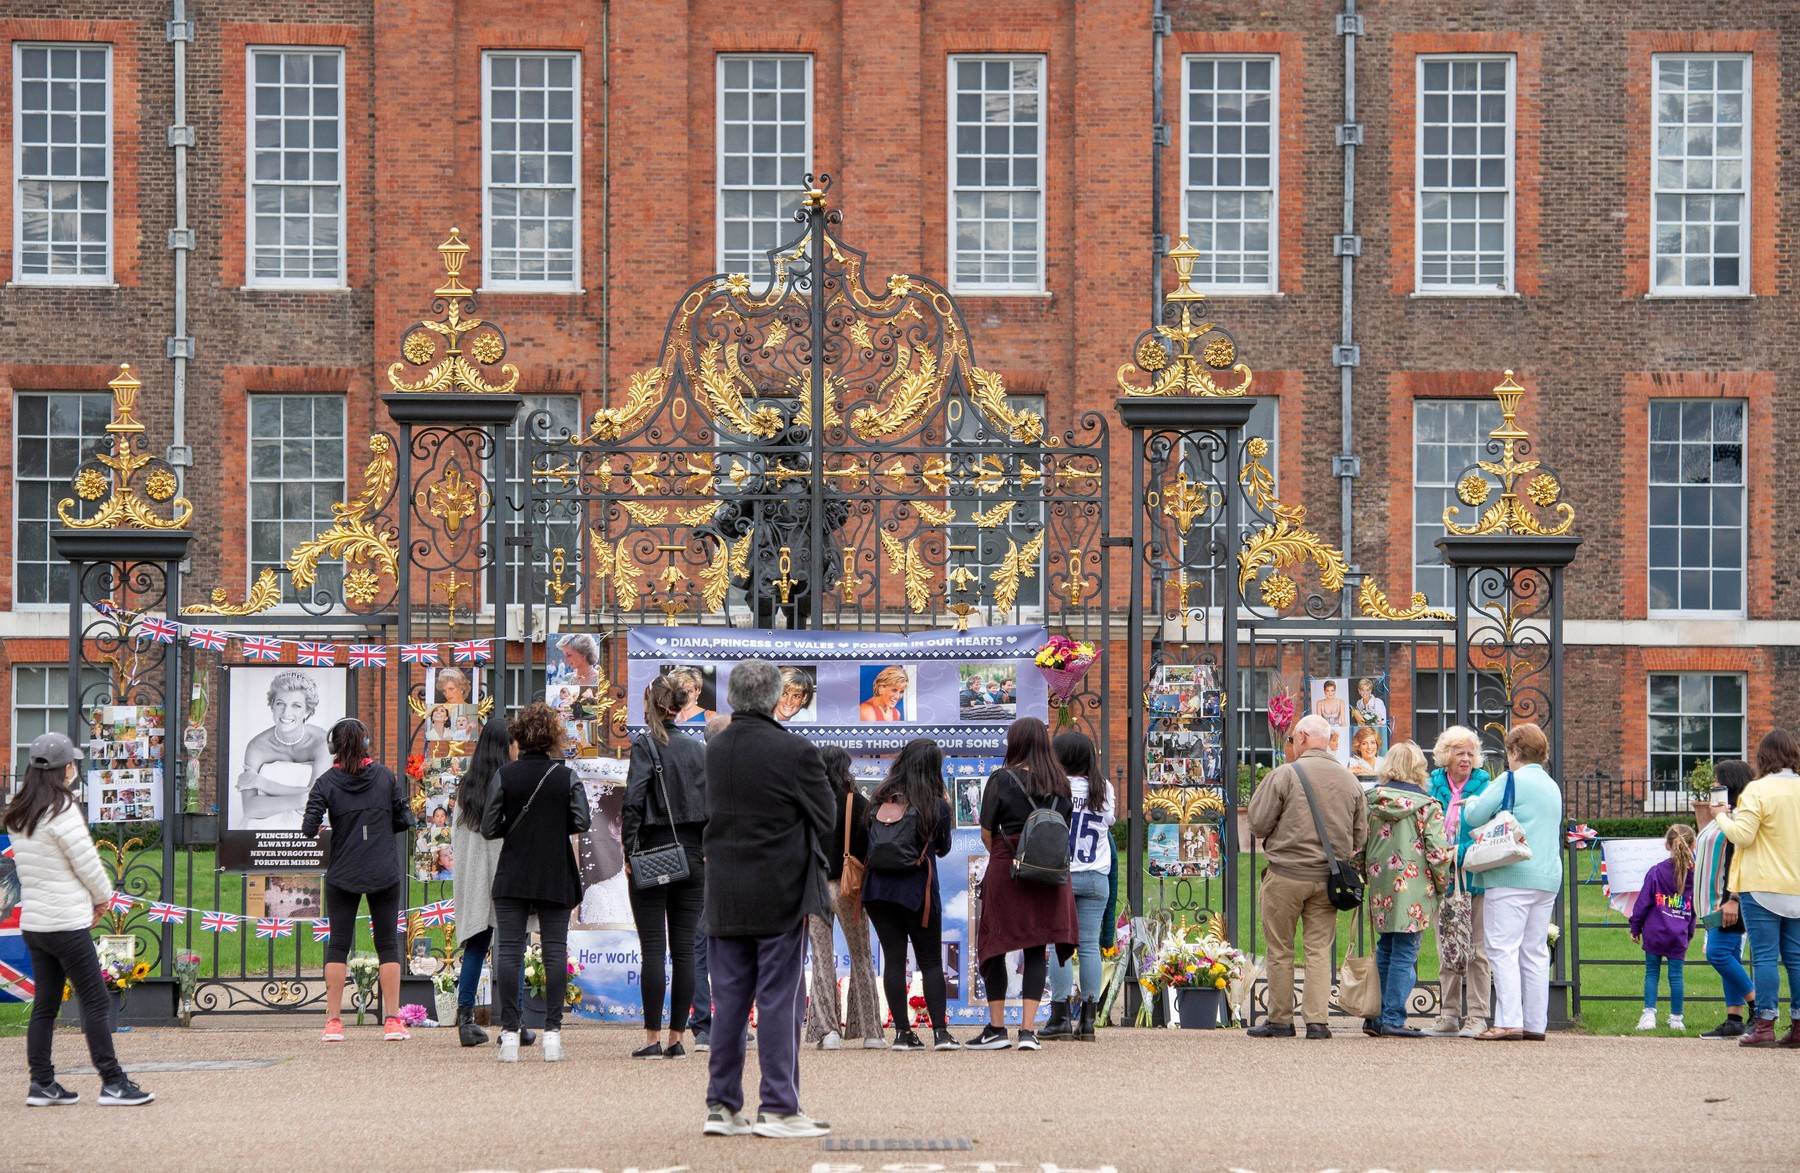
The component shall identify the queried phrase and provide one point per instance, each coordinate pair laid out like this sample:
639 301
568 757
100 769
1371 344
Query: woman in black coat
665 803
536 805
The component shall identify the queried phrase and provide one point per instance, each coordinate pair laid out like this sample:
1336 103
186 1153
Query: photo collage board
452 720
124 764
1356 709
1184 771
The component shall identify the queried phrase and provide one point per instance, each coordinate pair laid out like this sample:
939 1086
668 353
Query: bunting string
438 912
308 653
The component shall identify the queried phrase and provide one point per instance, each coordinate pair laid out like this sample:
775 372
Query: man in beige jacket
1293 884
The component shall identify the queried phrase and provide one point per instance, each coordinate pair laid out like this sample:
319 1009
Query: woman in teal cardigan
1521 896
1463 986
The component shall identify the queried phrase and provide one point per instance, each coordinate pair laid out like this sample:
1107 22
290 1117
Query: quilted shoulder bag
850 880
657 867
1500 840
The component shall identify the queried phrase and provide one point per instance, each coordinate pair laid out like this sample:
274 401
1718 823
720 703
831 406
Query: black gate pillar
125 559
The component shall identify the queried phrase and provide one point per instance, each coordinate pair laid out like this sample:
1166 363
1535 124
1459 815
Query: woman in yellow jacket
1765 874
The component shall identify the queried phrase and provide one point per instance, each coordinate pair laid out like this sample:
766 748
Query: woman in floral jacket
1409 863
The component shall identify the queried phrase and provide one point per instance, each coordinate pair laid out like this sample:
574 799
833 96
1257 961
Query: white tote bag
1500 840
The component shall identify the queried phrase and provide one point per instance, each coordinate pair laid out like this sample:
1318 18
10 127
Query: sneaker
50 1095
833 1041
123 1094
1676 1022
1445 1026
799 1126
991 1038
878 1043
1647 1020
675 1051
1472 1027
721 1121
943 1040
553 1052
702 1043
334 1031
1028 1041
650 1050
394 1031
1731 1028
906 1040
509 1046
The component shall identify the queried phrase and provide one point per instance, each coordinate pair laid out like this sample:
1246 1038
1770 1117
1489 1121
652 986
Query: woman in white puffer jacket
64 890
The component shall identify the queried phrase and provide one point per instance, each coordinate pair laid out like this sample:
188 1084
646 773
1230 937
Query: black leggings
896 926
666 919
1031 982
384 906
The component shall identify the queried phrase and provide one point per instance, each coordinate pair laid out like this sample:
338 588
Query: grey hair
1313 725
753 687
1449 739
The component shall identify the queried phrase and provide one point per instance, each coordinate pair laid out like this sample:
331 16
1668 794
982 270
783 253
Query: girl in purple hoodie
1662 922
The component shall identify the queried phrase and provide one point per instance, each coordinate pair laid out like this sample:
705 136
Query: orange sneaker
334 1031
394 1031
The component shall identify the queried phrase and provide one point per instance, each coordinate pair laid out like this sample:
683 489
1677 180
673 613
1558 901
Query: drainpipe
179 32
1161 26
606 202
1348 246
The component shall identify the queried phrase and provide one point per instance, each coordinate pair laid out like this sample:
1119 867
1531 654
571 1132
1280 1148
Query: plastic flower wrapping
1062 652
1282 713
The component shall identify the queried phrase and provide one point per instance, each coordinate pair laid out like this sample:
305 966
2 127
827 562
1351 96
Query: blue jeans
1397 961
1653 967
700 1021
1725 953
1090 908
1774 946
468 979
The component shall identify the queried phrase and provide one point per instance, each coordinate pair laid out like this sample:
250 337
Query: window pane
1448 435
53 434
763 130
1465 155
533 135
1693 717
1698 193
1229 145
64 132
296 170
296 474
1696 498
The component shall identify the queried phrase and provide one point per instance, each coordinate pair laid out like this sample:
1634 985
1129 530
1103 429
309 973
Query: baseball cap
49 750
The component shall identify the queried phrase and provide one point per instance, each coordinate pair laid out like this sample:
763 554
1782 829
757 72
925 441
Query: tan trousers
1285 902
1475 979
862 1013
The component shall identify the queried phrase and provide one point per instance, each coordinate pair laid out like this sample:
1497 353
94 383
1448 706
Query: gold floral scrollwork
1511 514
1185 804
1373 602
1020 562
905 558
123 507
1188 501
730 561
265 592
453 370
453 498
993 518
988 390
1185 372
642 393
1284 543
724 387
556 583
353 538
614 564
935 514
916 388
1259 482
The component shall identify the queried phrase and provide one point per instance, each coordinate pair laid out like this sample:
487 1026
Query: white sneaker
1647 1020
720 1122
553 1052
509 1046
799 1126
832 1042
1446 1027
1472 1027
1675 1022
879 1043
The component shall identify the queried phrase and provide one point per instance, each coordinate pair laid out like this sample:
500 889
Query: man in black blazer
769 810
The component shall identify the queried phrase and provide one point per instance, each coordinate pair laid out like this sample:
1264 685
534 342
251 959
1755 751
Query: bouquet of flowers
1283 712
1180 963
413 1014
365 971
536 980
121 974
1064 662
187 979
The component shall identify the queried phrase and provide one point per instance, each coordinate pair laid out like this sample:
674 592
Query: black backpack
1042 855
896 843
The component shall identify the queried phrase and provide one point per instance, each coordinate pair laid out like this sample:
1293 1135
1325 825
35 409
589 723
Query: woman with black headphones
366 806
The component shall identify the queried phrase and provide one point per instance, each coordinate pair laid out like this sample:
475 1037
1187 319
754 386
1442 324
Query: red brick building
1596 201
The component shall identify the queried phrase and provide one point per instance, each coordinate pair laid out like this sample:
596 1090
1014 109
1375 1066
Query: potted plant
1198 972
1701 782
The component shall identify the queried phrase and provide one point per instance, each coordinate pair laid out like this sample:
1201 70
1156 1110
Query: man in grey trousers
769 809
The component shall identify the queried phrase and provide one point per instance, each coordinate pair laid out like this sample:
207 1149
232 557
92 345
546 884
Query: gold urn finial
442 348
125 387
1185 256
1185 357
107 478
454 252
1527 489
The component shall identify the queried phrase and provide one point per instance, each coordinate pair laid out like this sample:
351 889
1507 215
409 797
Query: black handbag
1344 886
658 867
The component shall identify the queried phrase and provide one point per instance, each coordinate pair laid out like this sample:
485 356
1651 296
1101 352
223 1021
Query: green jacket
1409 859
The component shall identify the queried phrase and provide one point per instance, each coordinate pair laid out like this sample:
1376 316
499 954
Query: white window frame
719 185
1743 527
1509 286
1448 485
1663 786
500 285
1273 285
58 703
1742 289
17 517
18 180
251 280
519 439
251 570
1001 288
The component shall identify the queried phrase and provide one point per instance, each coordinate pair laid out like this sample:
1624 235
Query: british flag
368 656
15 959
272 927
163 631
321 929
259 648
218 922
400 920
418 653
315 655
437 913
471 651
210 638
167 914
120 902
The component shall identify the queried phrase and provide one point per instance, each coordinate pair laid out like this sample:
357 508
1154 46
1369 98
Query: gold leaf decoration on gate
699 514
988 390
1185 804
614 564
724 393
453 371
645 514
1018 564
730 560
1374 604
123 460
905 557
1184 372
834 389
919 386
641 395
991 518
265 592
936 515
1510 515
353 537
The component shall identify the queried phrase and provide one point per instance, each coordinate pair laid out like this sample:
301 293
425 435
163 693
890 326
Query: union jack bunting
210 638
418 653
322 929
218 922
163 631
271 927
120 902
318 655
400 920
258 648
368 656
471 651
167 914
437 913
